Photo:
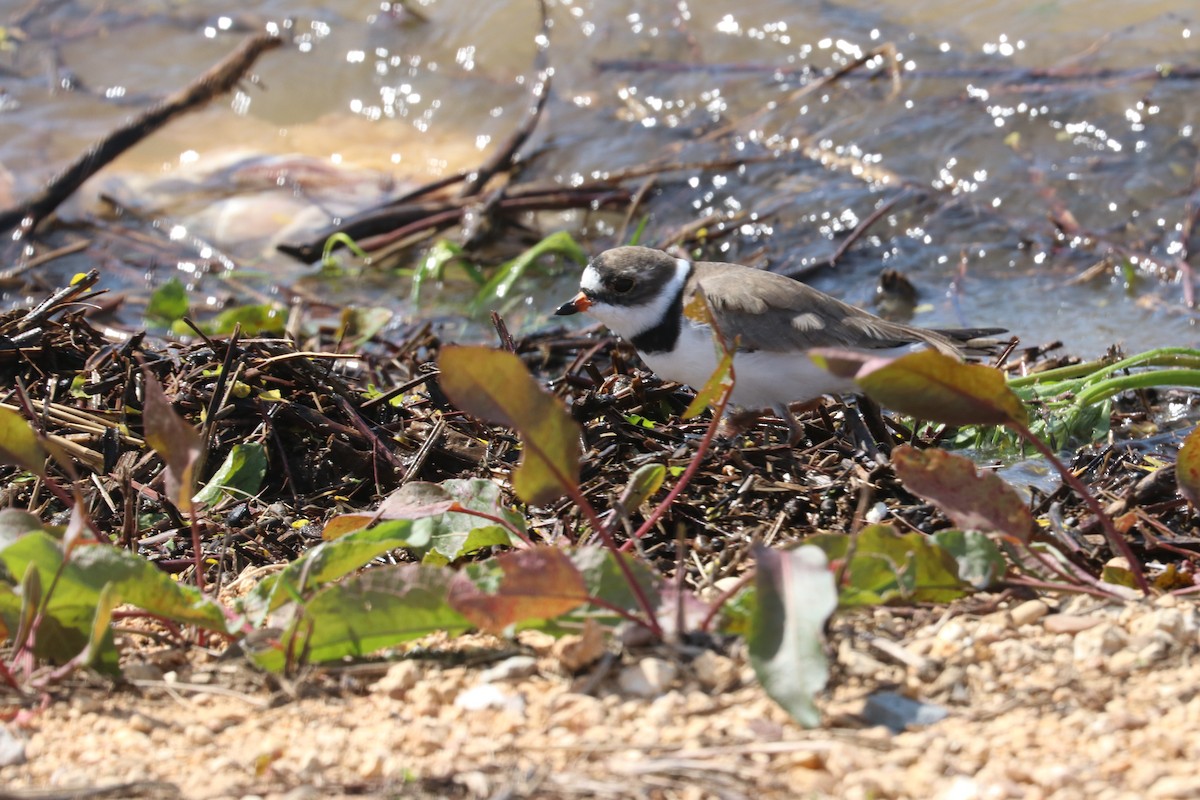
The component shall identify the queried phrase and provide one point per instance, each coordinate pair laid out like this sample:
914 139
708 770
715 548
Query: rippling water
1006 118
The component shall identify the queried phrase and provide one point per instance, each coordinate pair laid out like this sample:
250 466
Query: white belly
762 378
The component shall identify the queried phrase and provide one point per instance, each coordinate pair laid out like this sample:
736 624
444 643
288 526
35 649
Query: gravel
1038 707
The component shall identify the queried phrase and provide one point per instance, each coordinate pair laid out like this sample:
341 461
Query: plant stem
725 597
1115 539
1138 380
610 544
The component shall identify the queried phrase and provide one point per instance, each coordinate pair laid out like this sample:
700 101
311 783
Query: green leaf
501 283
535 584
980 562
95 570
795 595
930 385
973 500
359 325
168 302
327 562
174 440
437 510
1187 468
19 444
253 320
494 385
240 474
15 523
605 581
379 608
885 565
644 482
928 573
434 264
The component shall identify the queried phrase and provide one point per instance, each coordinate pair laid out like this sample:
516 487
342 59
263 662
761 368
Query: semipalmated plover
646 296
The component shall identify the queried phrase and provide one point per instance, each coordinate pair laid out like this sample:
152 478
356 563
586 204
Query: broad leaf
379 608
168 302
96 572
327 562
240 474
930 385
980 562
973 500
494 385
605 581
886 565
795 595
252 320
173 439
536 584
19 444
439 513
1187 468
644 482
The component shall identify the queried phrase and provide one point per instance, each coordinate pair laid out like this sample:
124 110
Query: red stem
1115 539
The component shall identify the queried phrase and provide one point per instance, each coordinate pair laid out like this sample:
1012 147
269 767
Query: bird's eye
622 285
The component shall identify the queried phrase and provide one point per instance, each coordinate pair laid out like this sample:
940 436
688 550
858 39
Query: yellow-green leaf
494 385
19 444
930 385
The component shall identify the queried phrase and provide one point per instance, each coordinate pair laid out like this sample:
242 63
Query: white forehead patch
590 280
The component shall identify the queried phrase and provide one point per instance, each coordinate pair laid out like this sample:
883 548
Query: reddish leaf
540 583
930 385
494 385
1187 468
173 439
342 524
973 500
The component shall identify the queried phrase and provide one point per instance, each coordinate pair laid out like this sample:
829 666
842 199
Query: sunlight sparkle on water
729 25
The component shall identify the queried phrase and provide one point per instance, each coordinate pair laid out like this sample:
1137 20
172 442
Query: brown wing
775 313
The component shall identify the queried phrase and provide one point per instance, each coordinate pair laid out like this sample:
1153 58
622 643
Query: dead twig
218 80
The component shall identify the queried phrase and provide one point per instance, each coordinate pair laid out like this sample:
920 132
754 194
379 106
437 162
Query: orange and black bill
580 302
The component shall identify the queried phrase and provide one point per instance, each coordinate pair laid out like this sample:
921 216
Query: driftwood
217 81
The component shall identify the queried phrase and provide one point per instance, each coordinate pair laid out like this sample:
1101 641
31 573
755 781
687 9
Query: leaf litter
342 458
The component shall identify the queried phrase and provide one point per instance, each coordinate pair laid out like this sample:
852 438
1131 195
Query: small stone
1029 612
1070 623
371 766
141 671
1123 663
400 677
715 672
539 642
650 677
509 669
857 662
143 724
1172 786
577 652
1098 642
489 695
898 712
950 640
1169 621
12 749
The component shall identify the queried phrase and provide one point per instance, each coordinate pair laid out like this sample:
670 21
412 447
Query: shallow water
991 150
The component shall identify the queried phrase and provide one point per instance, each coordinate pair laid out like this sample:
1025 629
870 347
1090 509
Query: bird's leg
872 417
796 430
860 435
